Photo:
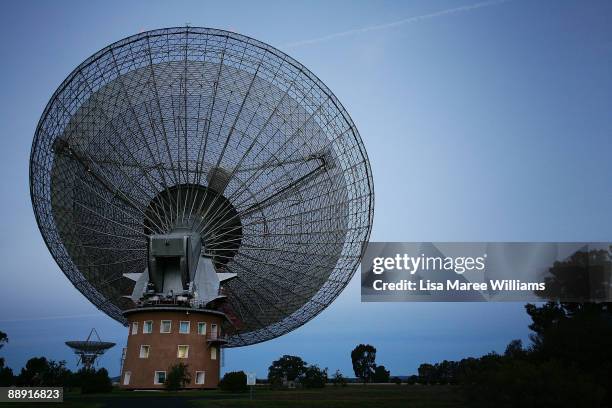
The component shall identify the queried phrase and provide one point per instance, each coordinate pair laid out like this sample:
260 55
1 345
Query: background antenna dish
89 350
215 137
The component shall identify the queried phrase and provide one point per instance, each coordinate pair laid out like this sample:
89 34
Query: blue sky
483 122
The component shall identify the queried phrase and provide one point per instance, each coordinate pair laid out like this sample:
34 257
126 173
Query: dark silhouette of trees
568 364
569 361
364 362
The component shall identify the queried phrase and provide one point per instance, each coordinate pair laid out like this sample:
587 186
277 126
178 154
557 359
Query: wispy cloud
27 319
396 23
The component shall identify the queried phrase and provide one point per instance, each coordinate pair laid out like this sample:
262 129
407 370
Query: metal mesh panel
203 107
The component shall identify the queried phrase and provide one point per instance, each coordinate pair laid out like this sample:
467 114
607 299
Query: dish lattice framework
194 110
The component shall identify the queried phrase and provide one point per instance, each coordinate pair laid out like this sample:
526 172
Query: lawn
374 396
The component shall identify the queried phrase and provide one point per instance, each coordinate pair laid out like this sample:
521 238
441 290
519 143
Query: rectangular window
200 377
165 326
213 331
144 351
184 327
183 352
213 353
202 328
126 377
147 327
135 328
160 377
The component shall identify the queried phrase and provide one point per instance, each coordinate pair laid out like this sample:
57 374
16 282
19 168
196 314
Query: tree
413 379
427 373
338 379
6 374
3 339
314 377
40 372
56 374
33 373
287 368
524 383
583 278
364 361
178 377
514 349
381 375
234 381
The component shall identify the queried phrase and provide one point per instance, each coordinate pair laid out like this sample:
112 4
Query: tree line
569 360
41 372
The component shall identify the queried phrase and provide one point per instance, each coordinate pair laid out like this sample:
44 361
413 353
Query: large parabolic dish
216 132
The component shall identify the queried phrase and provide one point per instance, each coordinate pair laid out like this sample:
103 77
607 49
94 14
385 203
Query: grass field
371 396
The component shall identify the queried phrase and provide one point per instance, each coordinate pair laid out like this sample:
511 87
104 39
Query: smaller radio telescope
89 350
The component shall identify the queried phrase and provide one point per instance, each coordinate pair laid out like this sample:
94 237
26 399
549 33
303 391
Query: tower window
126 377
184 327
135 328
200 377
183 351
144 351
147 327
160 377
213 353
213 331
202 328
166 326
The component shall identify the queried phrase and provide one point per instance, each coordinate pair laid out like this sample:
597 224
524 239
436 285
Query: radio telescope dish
217 146
89 350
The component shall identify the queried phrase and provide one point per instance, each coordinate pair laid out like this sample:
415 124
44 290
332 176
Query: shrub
234 381
381 375
338 379
93 382
178 377
413 379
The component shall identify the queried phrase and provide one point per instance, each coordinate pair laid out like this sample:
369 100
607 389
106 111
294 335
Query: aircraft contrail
27 319
392 24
